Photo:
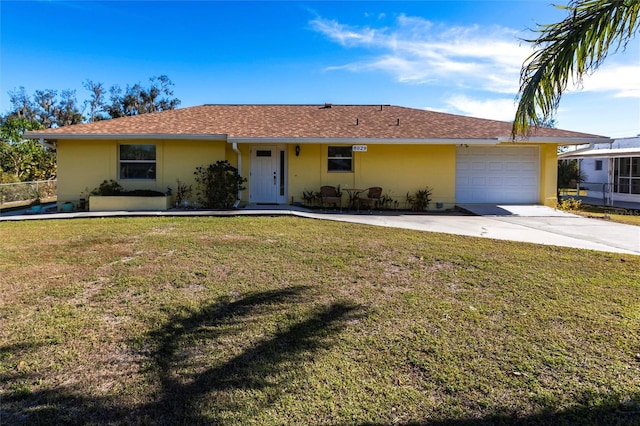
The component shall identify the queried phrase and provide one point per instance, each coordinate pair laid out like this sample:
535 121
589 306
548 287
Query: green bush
570 204
109 188
419 201
218 185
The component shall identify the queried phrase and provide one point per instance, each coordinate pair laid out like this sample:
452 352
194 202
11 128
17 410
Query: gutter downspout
234 145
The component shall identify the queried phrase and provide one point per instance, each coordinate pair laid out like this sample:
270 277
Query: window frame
598 165
122 175
626 180
339 158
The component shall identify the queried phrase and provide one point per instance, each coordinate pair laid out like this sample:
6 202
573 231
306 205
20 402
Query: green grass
620 215
274 321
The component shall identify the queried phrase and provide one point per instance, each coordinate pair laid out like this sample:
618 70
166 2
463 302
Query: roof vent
327 105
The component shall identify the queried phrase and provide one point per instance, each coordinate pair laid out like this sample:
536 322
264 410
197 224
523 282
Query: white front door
268 175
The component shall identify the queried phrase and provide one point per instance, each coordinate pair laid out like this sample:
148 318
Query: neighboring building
284 150
612 170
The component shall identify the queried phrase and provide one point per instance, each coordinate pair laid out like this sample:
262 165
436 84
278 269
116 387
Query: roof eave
559 140
603 153
121 136
358 141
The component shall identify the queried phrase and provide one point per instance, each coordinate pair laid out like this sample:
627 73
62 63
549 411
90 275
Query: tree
21 105
96 102
116 108
137 99
66 112
29 160
24 160
45 107
569 174
549 122
572 48
45 101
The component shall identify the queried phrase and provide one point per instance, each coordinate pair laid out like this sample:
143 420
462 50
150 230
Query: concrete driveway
532 224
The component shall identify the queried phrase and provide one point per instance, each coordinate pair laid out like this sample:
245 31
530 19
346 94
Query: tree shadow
202 396
260 366
593 409
255 368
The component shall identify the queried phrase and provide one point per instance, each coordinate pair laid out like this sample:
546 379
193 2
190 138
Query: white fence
27 191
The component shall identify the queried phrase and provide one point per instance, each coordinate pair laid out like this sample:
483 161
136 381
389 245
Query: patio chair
371 198
330 196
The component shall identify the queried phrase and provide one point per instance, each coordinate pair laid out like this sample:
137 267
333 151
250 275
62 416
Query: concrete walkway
532 224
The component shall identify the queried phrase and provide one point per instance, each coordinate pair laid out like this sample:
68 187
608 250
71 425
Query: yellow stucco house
284 150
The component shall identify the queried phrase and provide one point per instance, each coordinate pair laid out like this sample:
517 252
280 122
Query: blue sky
461 57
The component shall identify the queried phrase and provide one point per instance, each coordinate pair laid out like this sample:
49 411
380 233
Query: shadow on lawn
610 413
258 367
205 395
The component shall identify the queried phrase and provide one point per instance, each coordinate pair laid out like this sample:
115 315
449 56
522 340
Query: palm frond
571 49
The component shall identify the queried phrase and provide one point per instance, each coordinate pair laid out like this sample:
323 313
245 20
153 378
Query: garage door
502 175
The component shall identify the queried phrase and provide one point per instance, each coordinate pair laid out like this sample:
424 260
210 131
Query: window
138 162
598 164
282 173
626 175
340 159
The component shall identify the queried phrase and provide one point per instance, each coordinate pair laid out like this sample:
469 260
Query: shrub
183 192
311 198
218 185
570 204
108 188
386 202
420 199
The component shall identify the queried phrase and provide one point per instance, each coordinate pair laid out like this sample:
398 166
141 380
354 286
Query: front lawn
274 321
628 216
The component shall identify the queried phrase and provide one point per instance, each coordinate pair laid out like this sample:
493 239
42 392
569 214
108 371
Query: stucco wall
548 174
397 169
83 165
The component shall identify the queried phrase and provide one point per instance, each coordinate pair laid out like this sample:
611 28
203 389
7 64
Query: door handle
274 178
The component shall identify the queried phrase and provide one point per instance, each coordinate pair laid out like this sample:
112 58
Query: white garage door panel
507 175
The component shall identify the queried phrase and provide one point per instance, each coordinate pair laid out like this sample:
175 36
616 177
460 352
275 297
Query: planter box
99 203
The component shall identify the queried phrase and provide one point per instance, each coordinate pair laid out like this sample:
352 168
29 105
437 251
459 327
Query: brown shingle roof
303 121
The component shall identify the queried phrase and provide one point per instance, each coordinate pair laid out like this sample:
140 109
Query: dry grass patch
293 321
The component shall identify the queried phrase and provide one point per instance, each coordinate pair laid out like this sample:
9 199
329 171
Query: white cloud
419 51
343 34
620 80
480 69
495 109
489 59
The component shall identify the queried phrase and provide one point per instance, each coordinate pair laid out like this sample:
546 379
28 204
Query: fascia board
122 136
604 153
364 141
557 141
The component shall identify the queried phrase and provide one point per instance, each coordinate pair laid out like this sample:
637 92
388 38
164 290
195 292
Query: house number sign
359 148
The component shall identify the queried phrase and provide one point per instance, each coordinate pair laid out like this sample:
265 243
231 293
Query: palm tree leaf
570 49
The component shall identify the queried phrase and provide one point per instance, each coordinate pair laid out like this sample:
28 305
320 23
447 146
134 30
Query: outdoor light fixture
297 150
